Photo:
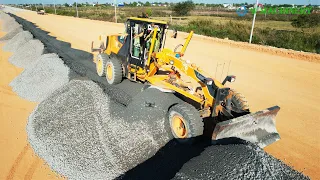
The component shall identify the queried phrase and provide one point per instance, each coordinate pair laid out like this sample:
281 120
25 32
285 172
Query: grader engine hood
258 128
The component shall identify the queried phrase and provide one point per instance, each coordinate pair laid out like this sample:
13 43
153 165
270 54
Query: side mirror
229 79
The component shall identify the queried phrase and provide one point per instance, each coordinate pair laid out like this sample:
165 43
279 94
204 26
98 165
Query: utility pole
254 20
115 10
54 5
43 6
77 9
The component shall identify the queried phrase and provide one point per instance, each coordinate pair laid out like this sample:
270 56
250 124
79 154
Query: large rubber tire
185 122
114 73
101 64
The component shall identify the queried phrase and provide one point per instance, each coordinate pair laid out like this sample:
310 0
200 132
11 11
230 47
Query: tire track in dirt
17 162
32 169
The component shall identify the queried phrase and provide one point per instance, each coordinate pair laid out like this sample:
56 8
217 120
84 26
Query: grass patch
299 41
271 30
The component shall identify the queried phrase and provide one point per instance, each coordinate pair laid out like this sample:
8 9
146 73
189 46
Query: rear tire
114 72
185 123
101 64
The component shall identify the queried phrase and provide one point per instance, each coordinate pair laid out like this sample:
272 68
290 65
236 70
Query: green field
272 30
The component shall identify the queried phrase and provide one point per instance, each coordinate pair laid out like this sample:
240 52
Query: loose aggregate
11 34
81 63
82 134
44 76
8 22
27 54
17 41
236 161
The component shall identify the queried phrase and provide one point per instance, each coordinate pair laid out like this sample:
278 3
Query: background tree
306 21
147 3
184 8
134 4
149 12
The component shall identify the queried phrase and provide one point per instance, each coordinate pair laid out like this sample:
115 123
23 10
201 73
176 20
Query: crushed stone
27 54
17 41
41 78
236 161
82 134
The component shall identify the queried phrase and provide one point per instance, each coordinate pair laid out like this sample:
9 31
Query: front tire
114 72
101 64
186 123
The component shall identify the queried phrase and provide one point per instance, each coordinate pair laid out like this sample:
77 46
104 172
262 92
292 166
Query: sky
300 2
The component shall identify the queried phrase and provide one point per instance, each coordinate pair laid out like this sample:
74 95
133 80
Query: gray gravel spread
82 134
239 161
17 41
10 26
8 22
44 76
27 54
11 34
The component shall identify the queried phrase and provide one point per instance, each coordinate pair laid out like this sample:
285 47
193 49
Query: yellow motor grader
139 54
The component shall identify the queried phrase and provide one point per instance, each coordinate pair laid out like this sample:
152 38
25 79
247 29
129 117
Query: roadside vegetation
300 41
290 31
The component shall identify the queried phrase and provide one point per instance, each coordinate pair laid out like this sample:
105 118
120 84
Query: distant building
229 6
225 5
121 5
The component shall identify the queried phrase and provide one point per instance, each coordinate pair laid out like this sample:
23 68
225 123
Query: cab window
121 39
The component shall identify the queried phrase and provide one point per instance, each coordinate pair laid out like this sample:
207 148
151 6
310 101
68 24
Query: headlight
171 62
229 79
209 83
233 79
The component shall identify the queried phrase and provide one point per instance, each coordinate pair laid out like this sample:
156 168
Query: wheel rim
109 72
179 127
99 65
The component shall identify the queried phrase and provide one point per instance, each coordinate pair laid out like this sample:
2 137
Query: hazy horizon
298 2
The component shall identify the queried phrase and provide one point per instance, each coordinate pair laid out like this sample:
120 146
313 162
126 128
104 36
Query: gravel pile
8 23
27 53
10 26
17 41
82 134
11 34
44 76
236 161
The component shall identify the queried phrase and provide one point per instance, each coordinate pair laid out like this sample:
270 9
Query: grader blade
258 127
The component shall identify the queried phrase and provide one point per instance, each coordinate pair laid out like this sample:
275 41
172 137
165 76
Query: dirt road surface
265 79
18 160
